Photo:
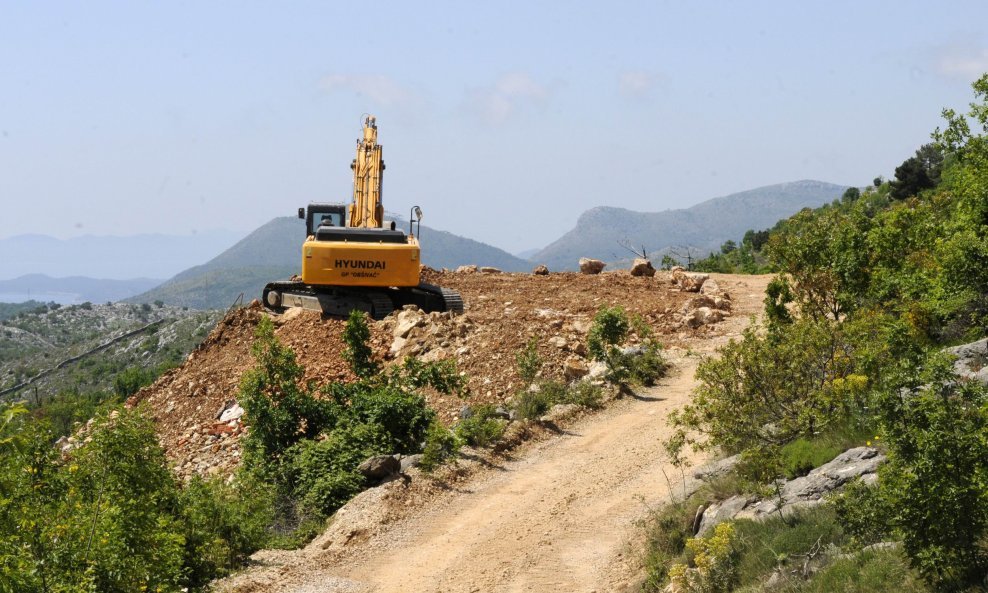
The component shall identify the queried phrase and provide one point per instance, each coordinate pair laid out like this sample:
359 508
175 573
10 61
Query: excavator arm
367 210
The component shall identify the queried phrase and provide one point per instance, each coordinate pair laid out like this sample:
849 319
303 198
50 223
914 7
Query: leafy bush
609 328
441 445
584 393
482 428
529 362
864 513
279 411
767 390
222 525
530 405
110 516
715 560
936 478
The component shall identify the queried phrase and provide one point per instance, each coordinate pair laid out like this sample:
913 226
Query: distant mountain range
600 232
274 252
136 256
71 290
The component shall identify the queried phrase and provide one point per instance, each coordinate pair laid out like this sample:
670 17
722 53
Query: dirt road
557 518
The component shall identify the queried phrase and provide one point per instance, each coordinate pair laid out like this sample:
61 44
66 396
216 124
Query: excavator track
339 301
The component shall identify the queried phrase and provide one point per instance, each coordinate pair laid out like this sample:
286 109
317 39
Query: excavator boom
367 210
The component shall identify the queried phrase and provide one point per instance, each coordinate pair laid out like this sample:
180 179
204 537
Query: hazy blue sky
503 120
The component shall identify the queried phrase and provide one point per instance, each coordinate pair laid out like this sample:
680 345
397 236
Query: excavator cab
322 215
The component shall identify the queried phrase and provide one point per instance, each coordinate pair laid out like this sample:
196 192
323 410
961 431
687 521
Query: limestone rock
466 269
808 490
710 287
688 281
558 341
379 467
406 322
591 266
560 412
972 360
575 368
489 270
642 267
703 316
541 270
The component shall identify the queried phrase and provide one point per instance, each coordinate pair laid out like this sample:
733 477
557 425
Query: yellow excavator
352 260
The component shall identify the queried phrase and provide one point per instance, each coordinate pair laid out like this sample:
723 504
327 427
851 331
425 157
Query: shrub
609 328
440 445
356 351
530 405
529 362
864 513
482 428
766 390
222 525
441 375
584 393
936 477
278 410
715 559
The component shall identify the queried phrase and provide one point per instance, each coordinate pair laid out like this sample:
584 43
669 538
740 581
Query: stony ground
503 311
555 514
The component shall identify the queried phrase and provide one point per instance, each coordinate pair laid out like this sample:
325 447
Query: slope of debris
195 405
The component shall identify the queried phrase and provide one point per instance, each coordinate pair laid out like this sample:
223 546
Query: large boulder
972 360
703 316
466 269
809 490
710 287
541 270
642 267
489 270
688 281
379 467
591 266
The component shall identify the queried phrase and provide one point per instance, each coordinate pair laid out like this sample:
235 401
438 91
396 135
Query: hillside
272 252
71 290
599 231
33 341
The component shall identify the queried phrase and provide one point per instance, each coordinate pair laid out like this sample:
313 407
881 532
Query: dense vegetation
869 290
111 516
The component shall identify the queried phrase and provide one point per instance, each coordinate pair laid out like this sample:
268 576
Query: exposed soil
503 312
555 515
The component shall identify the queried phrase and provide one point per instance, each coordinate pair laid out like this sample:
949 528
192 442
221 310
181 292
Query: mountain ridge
601 231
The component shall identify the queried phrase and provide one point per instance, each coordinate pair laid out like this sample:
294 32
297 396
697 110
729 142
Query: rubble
200 422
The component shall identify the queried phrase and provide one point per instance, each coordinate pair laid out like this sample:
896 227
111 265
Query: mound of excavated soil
195 404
